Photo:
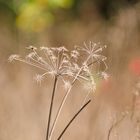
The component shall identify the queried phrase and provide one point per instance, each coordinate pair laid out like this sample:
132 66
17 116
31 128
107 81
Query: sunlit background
24 103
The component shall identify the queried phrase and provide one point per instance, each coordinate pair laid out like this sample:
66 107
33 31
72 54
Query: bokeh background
24 104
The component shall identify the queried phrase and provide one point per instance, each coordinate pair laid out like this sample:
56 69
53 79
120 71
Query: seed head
78 64
13 57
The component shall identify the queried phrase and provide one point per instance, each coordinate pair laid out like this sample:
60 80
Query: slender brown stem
109 132
113 126
51 107
64 100
62 133
92 63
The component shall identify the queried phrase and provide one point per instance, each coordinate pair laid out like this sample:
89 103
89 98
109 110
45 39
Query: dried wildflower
61 62
74 54
92 48
70 66
91 54
54 61
13 57
62 49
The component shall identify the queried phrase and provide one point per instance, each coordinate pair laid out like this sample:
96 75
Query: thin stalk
65 98
87 95
58 113
60 108
113 126
73 118
133 106
51 107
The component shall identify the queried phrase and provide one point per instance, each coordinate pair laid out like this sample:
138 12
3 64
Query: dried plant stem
62 62
78 112
137 136
64 99
58 113
60 108
113 126
87 95
133 106
51 107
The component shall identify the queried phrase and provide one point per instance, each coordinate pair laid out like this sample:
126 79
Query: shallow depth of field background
24 103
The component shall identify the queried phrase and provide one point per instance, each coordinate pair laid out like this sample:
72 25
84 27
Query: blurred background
24 104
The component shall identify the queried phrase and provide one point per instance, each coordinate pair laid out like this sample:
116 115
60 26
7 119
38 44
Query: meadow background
54 23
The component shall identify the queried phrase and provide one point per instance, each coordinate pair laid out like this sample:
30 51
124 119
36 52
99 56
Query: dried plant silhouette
132 115
114 125
135 109
83 64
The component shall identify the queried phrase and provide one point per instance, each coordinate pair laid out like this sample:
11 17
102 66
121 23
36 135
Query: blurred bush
37 15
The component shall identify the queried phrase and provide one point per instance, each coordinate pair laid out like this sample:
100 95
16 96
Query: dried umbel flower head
64 63
70 66
85 71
